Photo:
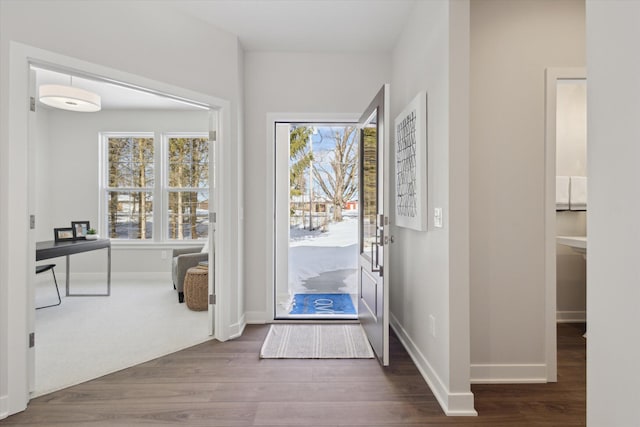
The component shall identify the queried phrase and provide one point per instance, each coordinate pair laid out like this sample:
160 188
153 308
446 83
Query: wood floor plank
227 384
345 413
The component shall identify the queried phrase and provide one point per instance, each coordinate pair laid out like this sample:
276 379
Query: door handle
374 253
375 249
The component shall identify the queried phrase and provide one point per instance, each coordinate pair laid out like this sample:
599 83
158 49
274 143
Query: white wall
429 270
571 127
294 83
613 347
68 178
571 160
146 39
512 43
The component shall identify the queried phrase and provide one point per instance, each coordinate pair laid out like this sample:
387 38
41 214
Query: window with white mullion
129 185
155 187
187 186
159 225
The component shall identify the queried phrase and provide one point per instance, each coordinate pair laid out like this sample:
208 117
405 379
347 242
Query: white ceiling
306 25
337 26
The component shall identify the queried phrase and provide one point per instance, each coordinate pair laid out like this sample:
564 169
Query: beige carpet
87 337
316 342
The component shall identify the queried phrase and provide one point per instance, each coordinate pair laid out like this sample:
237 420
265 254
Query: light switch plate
437 217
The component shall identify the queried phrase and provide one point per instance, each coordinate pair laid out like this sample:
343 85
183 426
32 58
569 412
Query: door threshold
308 319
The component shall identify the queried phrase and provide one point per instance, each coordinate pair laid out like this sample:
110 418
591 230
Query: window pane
130 214
188 214
130 162
368 226
188 162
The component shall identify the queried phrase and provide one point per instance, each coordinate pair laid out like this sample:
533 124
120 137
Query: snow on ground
312 253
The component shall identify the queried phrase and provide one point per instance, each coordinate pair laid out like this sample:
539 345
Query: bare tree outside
130 182
189 184
336 170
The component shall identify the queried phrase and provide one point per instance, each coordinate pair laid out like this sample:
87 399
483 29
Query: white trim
14 375
13 351
453 404
163 277
226 277
571 316
257 317
237 329
272 119
281 212
508 374
4 404
551 350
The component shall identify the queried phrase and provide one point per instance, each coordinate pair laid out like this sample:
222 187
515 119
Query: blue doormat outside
322 304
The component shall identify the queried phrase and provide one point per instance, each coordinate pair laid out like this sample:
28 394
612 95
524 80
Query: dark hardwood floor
226 384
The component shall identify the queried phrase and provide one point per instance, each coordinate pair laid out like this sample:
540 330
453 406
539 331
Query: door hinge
32 339
213 136
212 299
212 217
32 104
32 222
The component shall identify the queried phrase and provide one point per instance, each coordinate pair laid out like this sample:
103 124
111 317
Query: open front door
373 258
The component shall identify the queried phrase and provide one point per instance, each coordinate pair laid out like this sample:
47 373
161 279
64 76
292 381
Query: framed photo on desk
80 229
63 234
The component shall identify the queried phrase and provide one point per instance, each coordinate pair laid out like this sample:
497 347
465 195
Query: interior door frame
552 75
214 152
16 372
271 244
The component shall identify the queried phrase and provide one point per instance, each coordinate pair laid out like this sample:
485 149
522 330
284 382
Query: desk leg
109 270
66 280
108 279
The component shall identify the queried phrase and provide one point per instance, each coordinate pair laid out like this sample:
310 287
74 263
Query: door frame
270 190
18 264
552 75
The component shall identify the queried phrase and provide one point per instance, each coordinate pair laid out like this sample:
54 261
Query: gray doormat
316 342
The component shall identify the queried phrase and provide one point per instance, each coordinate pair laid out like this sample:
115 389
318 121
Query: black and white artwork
411 164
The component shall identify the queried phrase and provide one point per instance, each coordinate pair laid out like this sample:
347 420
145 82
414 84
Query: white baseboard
571 316
453 404
256 317
119 275
237 329
4 407
508 374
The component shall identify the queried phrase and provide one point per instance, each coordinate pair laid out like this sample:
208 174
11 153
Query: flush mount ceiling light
69 98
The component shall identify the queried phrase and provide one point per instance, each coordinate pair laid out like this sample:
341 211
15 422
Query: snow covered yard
325 262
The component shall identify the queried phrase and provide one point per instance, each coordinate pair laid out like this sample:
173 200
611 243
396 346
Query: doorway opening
316 213
565 228
154 189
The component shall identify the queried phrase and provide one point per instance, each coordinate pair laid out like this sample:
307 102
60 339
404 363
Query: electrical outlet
432 325
437 217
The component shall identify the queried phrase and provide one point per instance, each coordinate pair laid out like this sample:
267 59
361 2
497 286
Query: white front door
373 259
